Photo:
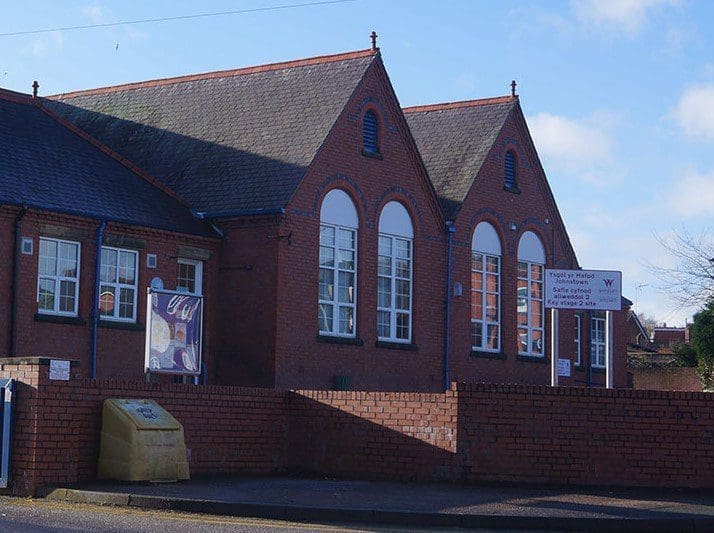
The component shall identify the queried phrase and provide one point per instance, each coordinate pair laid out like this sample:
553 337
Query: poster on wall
173 332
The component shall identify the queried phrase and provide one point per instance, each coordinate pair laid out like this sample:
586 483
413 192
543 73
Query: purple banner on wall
173 332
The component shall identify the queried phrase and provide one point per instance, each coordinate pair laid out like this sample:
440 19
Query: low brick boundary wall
472 433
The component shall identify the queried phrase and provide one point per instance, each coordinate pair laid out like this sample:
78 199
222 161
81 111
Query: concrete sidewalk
412 504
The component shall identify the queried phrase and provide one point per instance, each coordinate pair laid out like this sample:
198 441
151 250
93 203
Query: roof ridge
268 67
459 104
14 96
111 153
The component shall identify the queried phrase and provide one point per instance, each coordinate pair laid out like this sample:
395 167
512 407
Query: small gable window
509 181
370 133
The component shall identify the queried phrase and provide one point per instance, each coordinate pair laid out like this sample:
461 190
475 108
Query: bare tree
690 282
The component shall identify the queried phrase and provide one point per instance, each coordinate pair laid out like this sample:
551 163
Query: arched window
394 280
337 295
509 180
370 133
485 289
531 265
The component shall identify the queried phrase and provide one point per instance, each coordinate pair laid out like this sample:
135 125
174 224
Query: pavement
412 505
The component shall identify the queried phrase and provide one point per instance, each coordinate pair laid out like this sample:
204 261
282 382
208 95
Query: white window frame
578 340
118 286
528 326
198 279
336 250
597 347
57 279
393 278
483 293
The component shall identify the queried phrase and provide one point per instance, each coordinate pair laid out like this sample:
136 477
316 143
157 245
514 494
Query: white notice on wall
564 367
59 370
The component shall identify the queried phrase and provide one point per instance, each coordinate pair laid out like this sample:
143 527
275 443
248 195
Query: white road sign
583 289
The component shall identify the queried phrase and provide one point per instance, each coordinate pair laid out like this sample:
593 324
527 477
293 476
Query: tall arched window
395 268
337 295
370 133
485 289
531 265
509 167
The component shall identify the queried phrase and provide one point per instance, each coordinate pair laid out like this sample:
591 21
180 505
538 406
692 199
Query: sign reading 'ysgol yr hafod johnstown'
583 289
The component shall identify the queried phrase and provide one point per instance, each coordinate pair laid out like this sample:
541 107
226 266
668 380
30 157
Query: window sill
373 155
397 345
130 326
329 339
514 190
488 355
533 359
598 369
60 319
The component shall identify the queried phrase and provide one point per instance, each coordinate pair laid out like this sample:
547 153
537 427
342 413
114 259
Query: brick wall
474 433
666 378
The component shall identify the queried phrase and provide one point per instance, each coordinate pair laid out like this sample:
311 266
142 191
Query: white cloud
573 145
627 15
695 111
693 195
95 13
42 45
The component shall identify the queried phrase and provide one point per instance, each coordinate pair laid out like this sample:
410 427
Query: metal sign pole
609 381
554 347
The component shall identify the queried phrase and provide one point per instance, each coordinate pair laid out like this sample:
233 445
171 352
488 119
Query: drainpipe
16 281
450 230
95 310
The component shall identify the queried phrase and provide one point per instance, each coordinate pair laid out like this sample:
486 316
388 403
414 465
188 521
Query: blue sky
619 95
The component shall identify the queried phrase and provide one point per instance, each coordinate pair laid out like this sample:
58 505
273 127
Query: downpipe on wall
16 280
95 311
450 230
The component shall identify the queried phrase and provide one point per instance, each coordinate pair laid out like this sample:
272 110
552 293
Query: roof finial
373 36
513 87
35 86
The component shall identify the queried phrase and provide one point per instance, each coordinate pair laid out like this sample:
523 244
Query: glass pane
384 292
476 262
347 239
492 338
477 335
346 287
347 260
66 301
48 257
537 341
403 267
46 294
385 265
522 340
522 308
522 270
106 300
385 245
383 324
536 290
67 260
326 284
108 270
492 307
324 317
536 315
477 305
404 249
402 294
327 235
327 256
536 272
347 320
403 326
126 303
491 282
476 281
491 264
127 268
186 277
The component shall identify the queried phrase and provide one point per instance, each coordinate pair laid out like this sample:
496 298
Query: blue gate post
6 425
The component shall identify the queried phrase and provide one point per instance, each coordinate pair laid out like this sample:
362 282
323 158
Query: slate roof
454 140
45 165
229 141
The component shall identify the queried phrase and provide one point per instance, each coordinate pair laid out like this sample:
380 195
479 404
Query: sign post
594 290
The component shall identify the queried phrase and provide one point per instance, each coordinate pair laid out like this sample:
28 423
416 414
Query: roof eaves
460 104
220 74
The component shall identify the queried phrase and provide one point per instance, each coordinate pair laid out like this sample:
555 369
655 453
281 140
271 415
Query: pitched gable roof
454 140
226 141
46 165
